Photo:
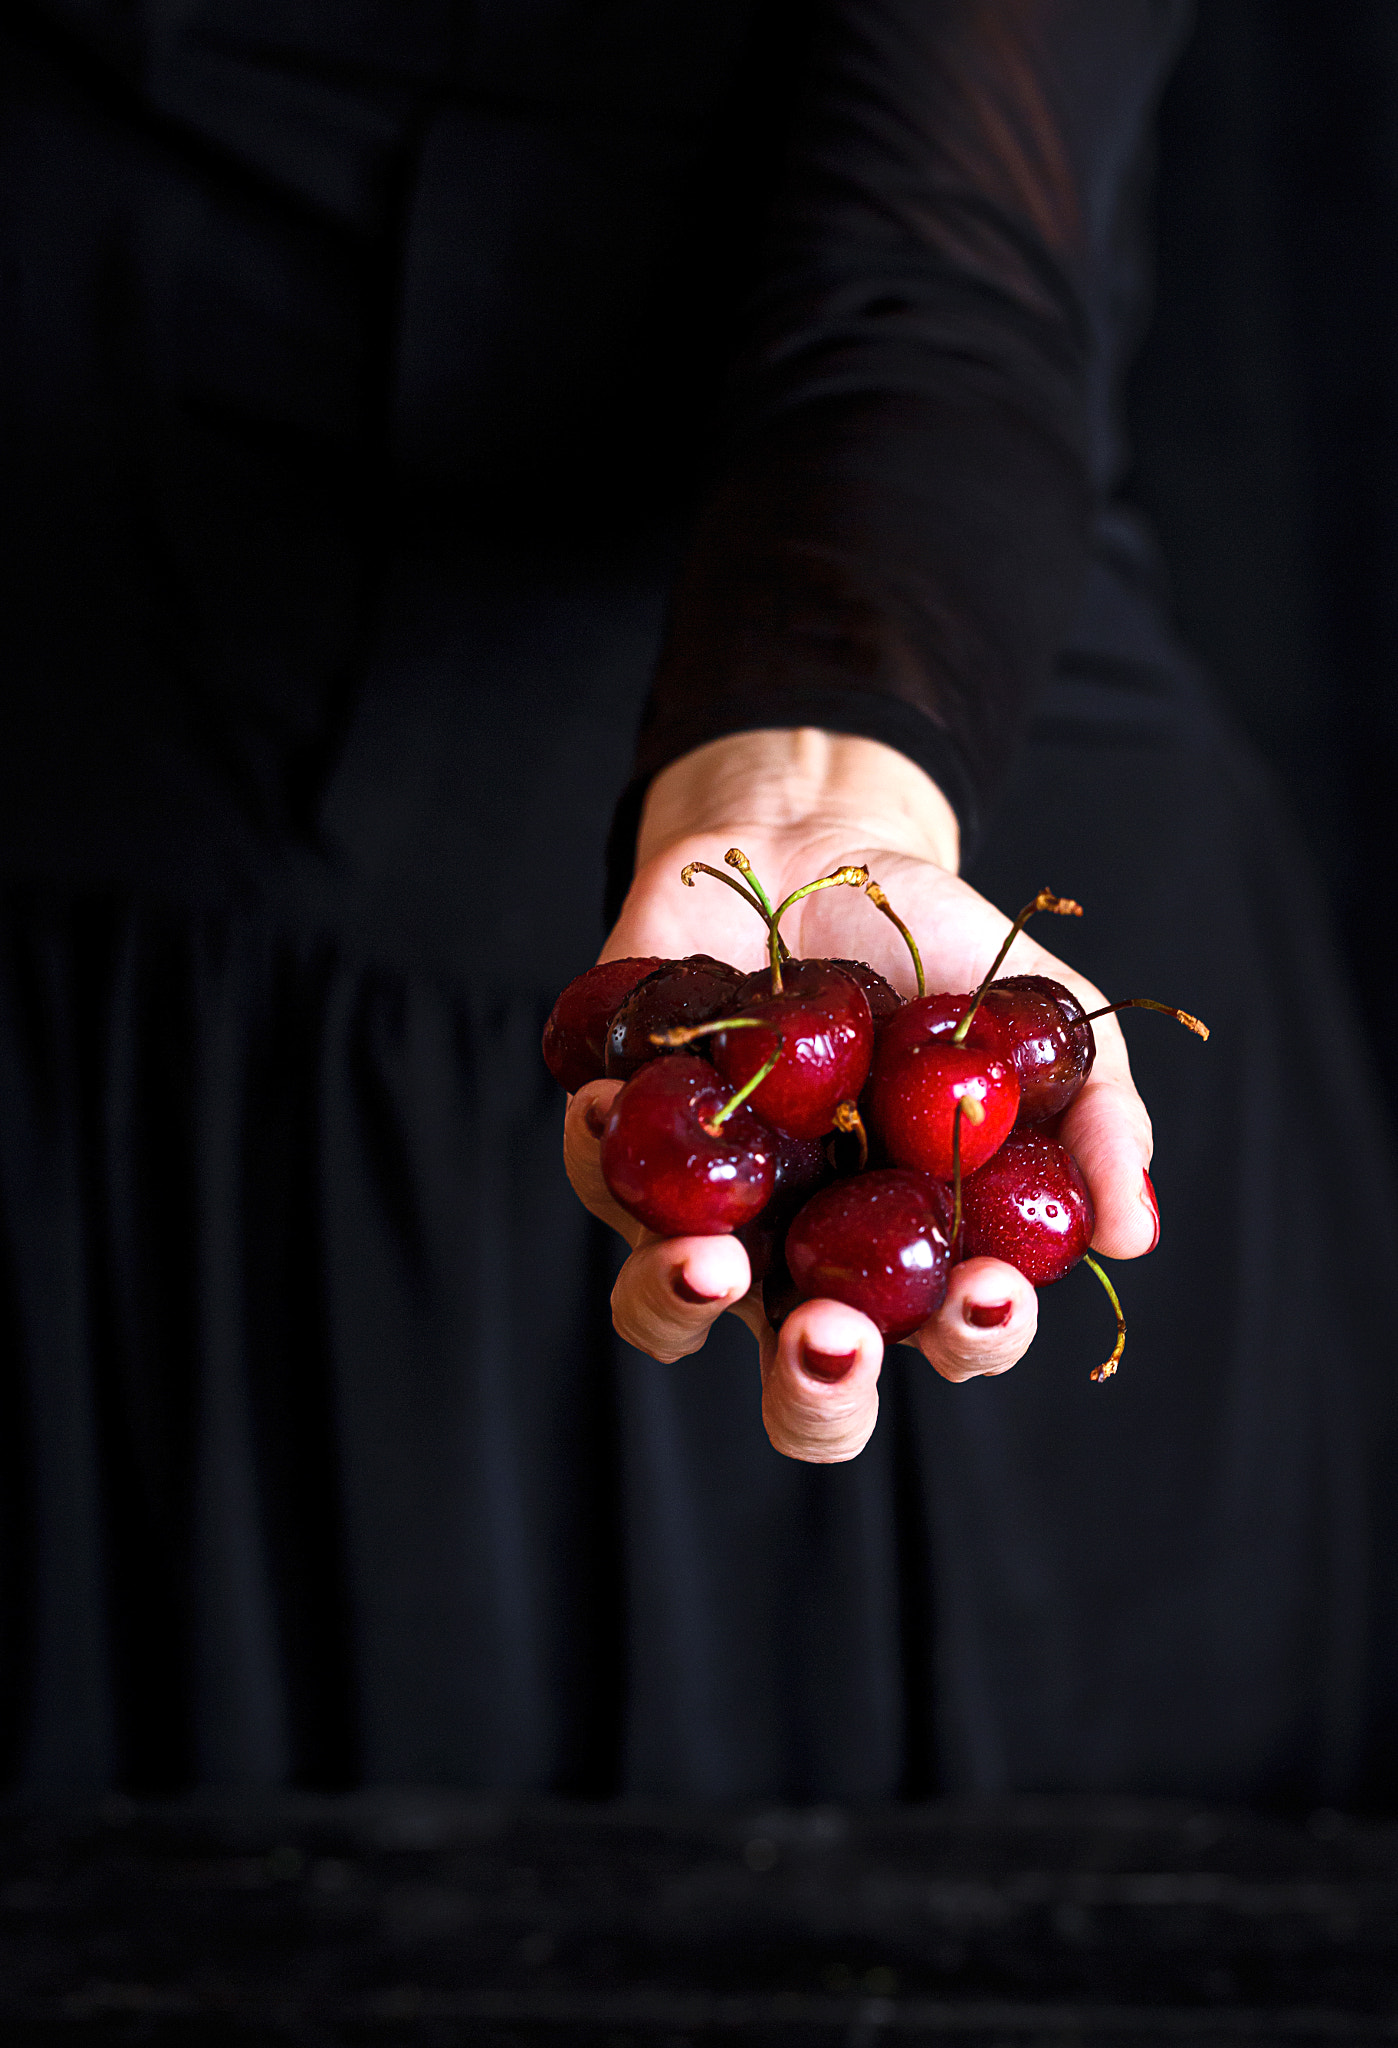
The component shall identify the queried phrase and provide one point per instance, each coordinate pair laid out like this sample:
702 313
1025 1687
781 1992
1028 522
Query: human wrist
782 780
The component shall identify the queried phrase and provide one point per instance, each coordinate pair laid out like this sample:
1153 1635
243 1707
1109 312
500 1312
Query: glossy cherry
679 993
920 1074
575 1036
878 1242
1047 1038
802 1166
827 1033
1029 1205
673 1165
883 997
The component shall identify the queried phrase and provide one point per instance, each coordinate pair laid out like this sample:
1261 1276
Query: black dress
377 386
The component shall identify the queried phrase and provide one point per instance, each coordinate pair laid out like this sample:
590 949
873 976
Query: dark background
1263 412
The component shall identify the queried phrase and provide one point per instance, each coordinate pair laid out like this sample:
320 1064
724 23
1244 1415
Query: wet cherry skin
827 1031
877 1241
1046 1037
575 1036
668 1169
802 1167
1029 1205
679 993
883 997
918 1076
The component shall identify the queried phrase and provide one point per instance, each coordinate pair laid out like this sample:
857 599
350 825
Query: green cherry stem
880 902
755 897
855 877
736 858
753 1081
1109 1366
1061 906
681 1034
1193 1024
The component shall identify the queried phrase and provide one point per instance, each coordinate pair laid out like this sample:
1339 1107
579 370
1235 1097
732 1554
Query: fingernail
826 1365
988 1315
595 1117
1148 1196
684 1292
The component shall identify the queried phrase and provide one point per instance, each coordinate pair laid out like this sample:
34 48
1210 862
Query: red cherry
827 1039
918 1077
1047 1038
1029 1205
672 1164
575 1035
878 1242
679 993
801 1168
883 997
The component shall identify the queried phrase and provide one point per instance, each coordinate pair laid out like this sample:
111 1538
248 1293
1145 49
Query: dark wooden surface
420 1919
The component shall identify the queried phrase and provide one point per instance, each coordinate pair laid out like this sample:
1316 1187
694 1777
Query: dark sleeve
895 536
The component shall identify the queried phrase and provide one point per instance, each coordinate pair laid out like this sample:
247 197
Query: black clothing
357 390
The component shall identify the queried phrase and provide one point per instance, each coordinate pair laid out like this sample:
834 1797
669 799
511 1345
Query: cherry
684 1154
878 1242
883 998
917 1083
801 1168
575 1035
1029 1205
1047 1038
821 1008
679 993
920 1074
823 1016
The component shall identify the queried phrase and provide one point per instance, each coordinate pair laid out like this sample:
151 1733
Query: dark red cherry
671 1165
919 1075
1046 1037
576 1033
1029 1205
679 993
883 997
801 1168
827 1037
876 1241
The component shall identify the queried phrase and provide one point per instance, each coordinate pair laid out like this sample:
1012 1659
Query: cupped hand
801 804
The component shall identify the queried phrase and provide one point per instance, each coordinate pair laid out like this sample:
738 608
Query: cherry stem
847 1118
956 1174
755 898
856 878
682 1034
1061 906
880 902
754 1080
1105 1370
1193 1024
736 858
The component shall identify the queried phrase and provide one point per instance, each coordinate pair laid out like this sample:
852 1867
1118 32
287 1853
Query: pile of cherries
858 1145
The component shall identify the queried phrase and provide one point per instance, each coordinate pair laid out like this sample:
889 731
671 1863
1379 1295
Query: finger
1107 1130
820 1383
582 1149
671 1290
985 1325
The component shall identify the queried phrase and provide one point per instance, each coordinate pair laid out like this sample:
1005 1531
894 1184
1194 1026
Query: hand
800 804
